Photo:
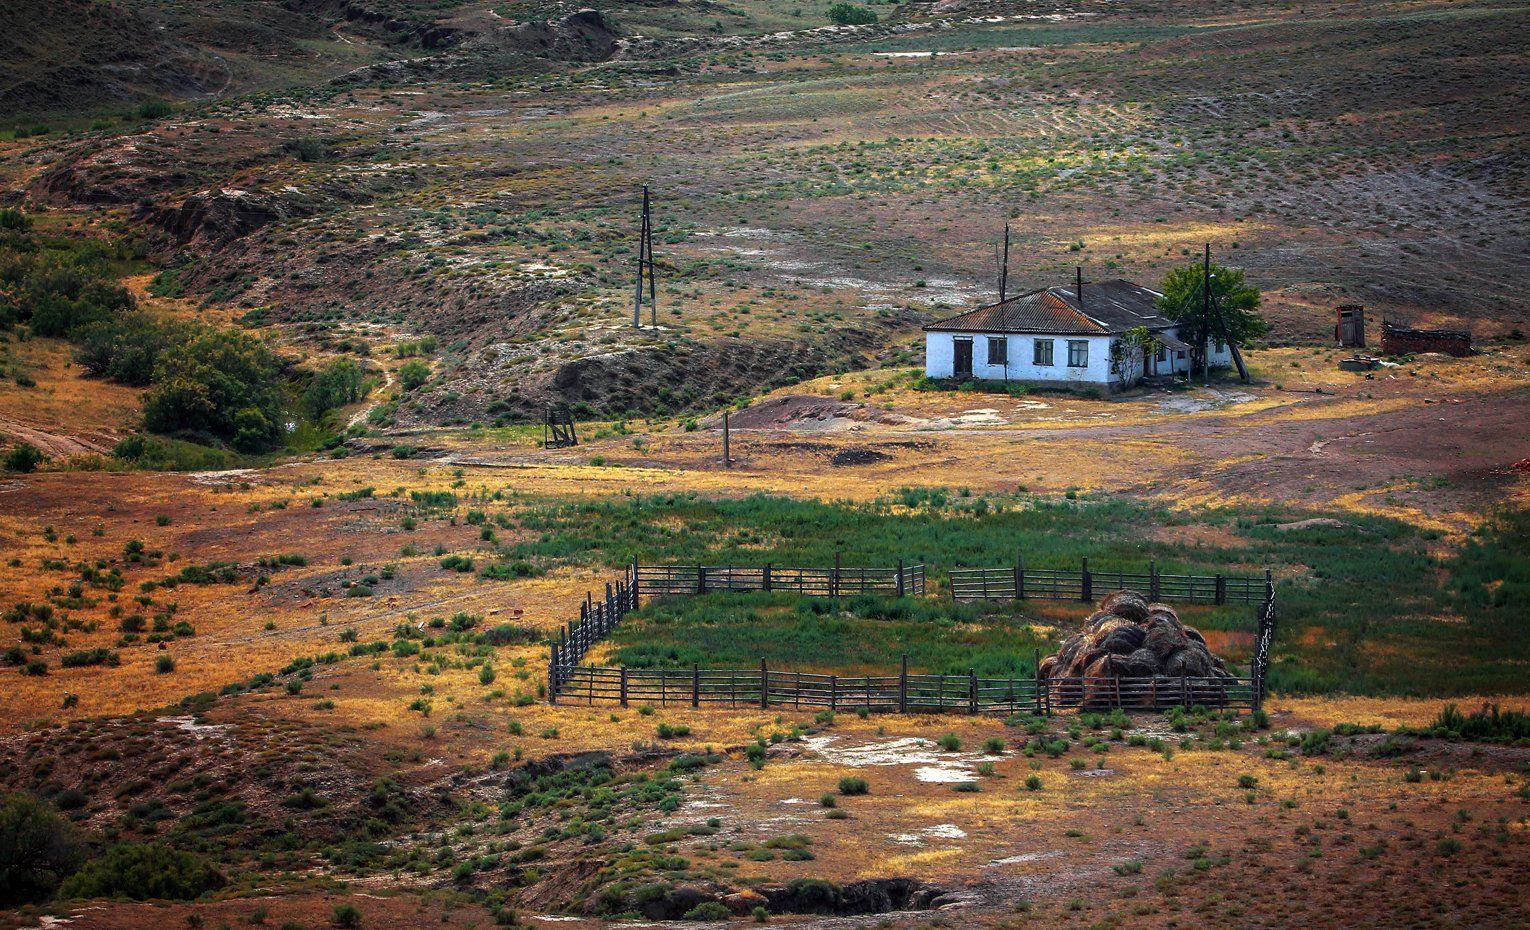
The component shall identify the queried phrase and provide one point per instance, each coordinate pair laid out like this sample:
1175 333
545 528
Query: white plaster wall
940 356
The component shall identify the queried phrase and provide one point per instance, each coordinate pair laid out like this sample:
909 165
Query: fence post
701 579
1269 585
833 692
1153 580
1184 691
1036 676
766 577
622 675
900 577
902 687
764 685
972 691
1019 577
1221 595
637 587
1086 583
695 685
552 675
834 578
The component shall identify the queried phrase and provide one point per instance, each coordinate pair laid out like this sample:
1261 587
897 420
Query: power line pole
645 265
1205 334
1004 268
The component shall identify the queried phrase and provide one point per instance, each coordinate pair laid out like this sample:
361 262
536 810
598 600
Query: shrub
1032 783
486 674
126 348
950 742
413 374
23 458
708 910
90 657
164 665
141 871
849 14
38 849
672 730
345 915
335 385
852 784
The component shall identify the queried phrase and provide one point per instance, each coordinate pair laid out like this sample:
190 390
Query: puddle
1094 773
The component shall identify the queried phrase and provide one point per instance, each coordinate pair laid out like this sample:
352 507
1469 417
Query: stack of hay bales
1134 653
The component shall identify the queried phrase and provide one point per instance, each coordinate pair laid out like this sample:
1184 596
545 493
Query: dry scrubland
338 698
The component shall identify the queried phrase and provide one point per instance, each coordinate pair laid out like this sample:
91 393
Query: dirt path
55 445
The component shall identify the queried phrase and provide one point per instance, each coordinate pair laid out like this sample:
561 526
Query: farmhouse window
998 350
1043 352
1078 353
1163 354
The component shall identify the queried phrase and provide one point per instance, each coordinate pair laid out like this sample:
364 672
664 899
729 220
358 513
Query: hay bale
1123 639
1126 603
1164 639
1189 662
1162 613
1098 619
1143 664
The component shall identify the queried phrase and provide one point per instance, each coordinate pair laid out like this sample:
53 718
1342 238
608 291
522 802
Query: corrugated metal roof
1108 307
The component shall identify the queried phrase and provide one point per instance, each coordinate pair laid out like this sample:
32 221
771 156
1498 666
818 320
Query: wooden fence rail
902 693
1019 583
838 581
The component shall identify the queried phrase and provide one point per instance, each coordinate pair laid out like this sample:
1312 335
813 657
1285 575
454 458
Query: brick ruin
1403 340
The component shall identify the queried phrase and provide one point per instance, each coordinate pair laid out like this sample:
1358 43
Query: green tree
38 849
222 384
1184 302
126 349
850 14
335 385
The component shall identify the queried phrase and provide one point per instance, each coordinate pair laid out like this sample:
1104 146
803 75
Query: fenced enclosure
1019 583
901 692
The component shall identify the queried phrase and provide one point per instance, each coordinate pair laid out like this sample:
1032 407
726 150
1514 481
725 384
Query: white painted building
1052 337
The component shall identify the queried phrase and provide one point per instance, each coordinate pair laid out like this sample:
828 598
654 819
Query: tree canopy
1237 302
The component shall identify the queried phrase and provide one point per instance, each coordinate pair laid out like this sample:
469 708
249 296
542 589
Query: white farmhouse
1054 336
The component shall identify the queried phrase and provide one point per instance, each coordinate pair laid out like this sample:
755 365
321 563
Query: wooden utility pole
1004 268
1221 323
727 457
1078 285
645 266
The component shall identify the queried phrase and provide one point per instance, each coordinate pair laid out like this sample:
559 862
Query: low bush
141 871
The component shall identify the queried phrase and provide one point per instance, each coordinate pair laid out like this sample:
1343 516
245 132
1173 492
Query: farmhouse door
962 366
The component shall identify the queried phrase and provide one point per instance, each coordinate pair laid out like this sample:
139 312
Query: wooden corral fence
1019 583
838 581
901 692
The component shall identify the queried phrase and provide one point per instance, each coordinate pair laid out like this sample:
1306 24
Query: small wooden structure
558 428
1349 331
